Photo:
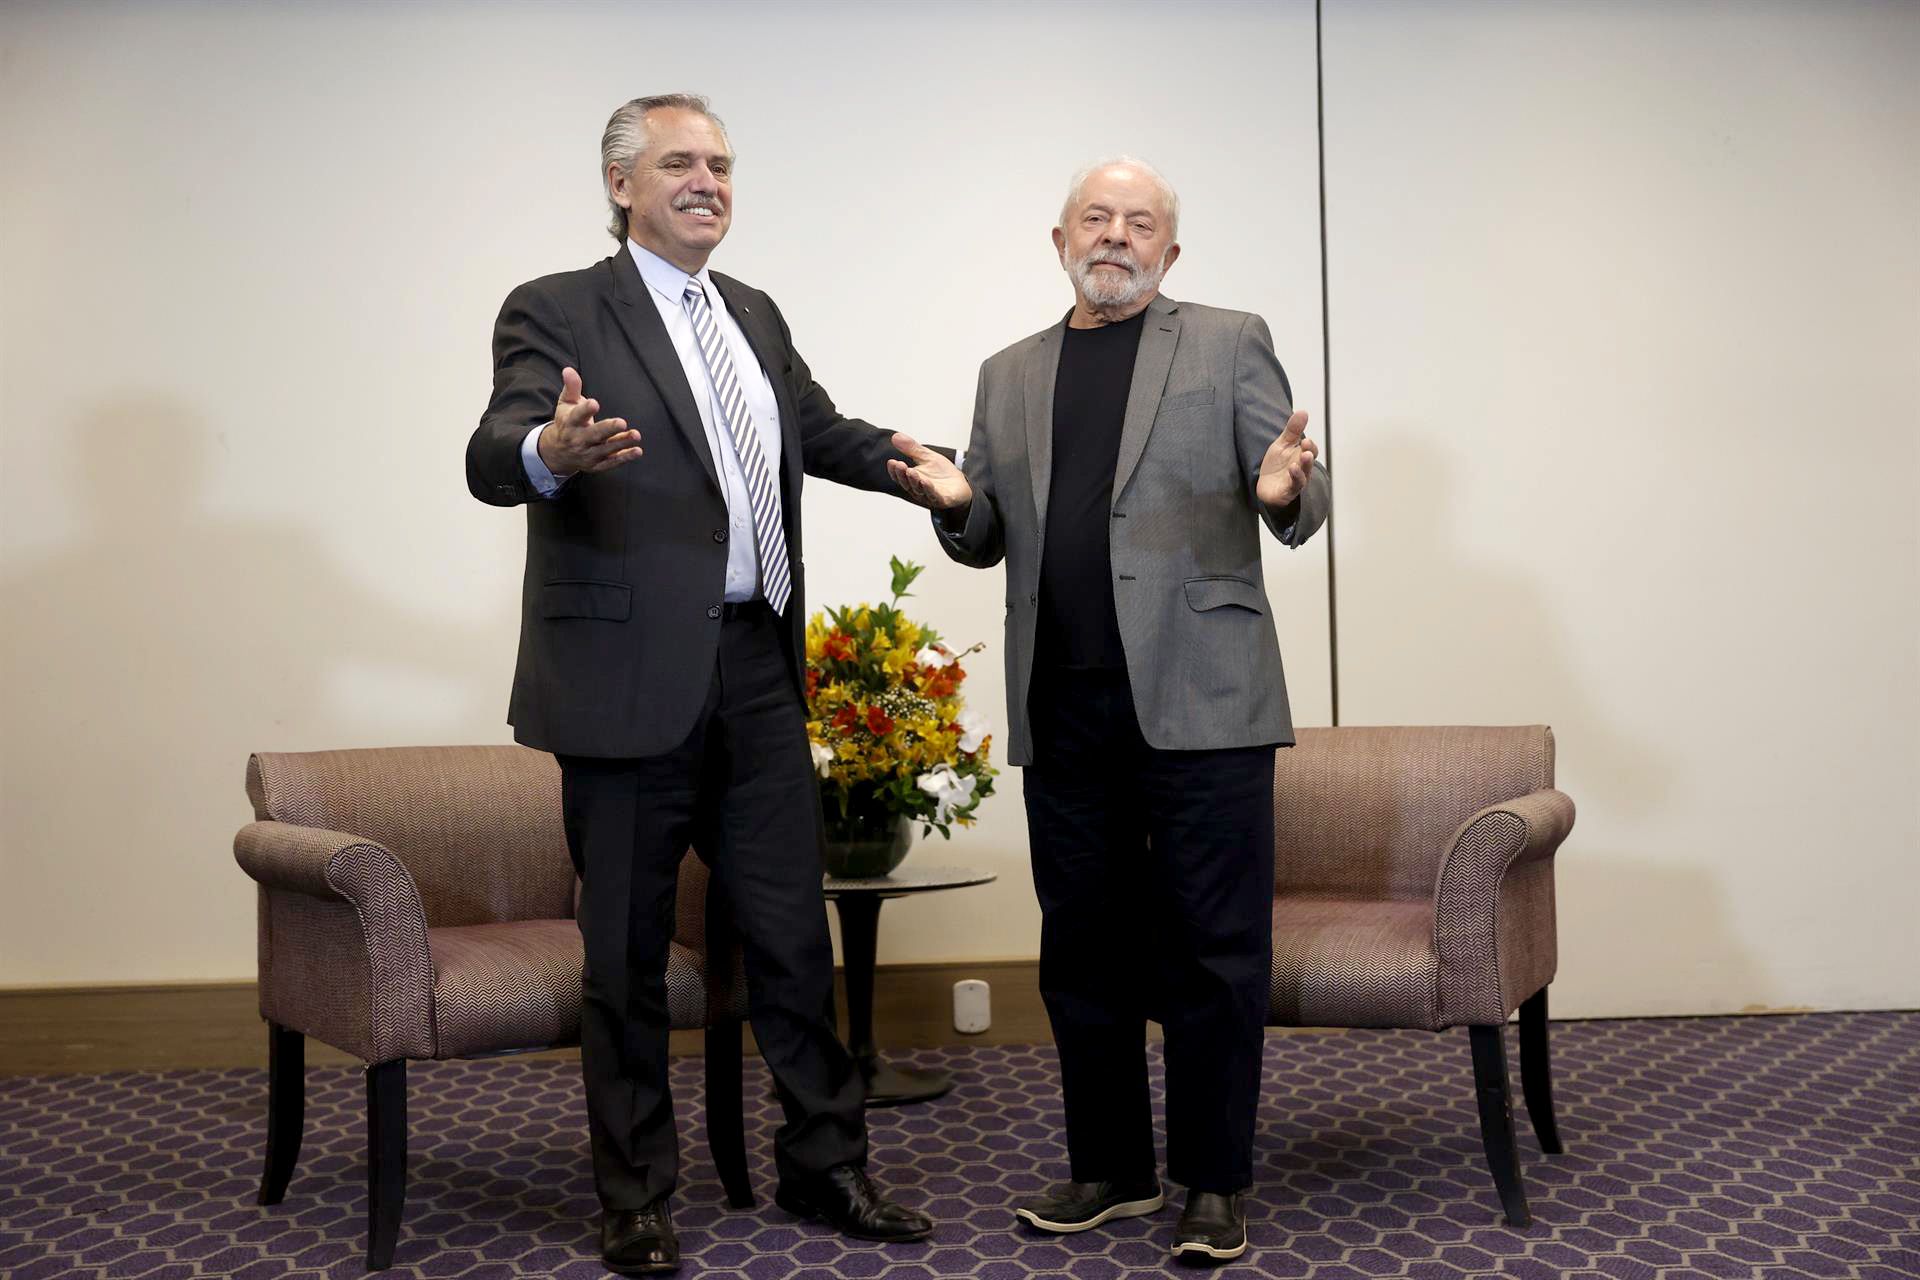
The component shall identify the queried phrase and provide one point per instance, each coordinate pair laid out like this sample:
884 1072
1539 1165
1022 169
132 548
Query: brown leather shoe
845 1199
639 1242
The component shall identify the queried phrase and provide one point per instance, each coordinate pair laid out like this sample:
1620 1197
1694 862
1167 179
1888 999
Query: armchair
417 903
1413 887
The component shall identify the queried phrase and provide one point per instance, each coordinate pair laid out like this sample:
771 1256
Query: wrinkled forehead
676 130
1122 190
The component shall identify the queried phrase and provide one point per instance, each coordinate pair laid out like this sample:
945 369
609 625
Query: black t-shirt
1077 626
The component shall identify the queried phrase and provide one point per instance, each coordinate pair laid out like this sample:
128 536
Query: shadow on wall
1459 642
1433 632
164 642
1657 932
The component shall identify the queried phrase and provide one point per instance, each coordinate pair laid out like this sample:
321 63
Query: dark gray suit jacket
620 611
1208 398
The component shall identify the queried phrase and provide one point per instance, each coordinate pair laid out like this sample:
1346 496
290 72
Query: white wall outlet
972 1006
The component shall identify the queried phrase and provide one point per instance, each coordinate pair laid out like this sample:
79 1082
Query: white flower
934 655
949 790
973 730
822 758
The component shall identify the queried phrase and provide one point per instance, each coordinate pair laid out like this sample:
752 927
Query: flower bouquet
892 741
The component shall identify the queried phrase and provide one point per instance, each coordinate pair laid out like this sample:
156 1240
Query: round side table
858 904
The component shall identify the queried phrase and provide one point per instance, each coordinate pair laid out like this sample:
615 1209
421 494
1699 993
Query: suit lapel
1159 335
639 320
771 352
1043 368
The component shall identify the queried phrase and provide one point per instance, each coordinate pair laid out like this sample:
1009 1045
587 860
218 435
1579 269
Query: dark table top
908 879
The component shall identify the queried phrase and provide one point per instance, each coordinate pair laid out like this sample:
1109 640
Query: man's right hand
576 441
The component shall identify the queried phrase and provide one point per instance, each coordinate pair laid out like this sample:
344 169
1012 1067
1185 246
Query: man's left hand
932 481
1288 466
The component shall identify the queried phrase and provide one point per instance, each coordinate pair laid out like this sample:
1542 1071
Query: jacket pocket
1215 593
1186 399
582 598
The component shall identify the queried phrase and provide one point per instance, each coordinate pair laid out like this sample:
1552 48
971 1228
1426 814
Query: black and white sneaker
1081 1206
1213 1228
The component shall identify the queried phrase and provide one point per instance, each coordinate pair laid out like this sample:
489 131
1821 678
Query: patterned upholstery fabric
505 984
1413 875
343 940
1338 962
1367 812
478 828
1494 908
418 903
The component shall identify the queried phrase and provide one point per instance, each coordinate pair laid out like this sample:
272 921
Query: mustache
1115 257
689 201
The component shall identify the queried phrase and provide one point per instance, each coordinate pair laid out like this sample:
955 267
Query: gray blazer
1208 398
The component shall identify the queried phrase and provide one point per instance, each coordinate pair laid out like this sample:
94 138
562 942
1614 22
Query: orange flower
845 718
839 646
877 723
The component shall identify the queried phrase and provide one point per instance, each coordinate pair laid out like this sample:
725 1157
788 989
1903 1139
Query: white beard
1104 291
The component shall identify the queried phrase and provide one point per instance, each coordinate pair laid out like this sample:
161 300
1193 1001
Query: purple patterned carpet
1729 1147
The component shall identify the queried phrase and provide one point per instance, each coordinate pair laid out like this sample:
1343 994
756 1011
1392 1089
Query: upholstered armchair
1413 887
417 903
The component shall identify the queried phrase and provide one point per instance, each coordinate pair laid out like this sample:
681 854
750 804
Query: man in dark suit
661 645
1123 462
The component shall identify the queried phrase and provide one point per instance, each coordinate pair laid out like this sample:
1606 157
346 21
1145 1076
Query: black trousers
741 791
1154 871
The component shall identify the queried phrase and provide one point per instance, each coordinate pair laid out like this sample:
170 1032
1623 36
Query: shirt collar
665 279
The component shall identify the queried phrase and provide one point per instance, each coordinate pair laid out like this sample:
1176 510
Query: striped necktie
775 579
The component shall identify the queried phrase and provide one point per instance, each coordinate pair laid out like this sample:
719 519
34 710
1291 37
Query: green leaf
904 572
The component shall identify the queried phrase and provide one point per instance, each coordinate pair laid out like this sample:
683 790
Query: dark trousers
1154 871
741 791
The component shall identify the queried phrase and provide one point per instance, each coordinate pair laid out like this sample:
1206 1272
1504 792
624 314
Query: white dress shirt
667 285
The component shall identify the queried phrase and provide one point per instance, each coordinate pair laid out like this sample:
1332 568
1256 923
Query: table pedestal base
890 1086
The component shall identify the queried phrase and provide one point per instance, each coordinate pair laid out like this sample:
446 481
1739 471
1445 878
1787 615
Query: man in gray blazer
1122 462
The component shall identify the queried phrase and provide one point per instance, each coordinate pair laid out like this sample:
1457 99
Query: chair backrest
1367 811
478 828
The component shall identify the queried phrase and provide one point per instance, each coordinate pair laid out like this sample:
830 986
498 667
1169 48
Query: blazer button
1034 598
713 611
719 535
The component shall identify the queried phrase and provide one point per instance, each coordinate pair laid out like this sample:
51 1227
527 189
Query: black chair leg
286 1109
1496 1121
386 1159
1536 1072
726 1121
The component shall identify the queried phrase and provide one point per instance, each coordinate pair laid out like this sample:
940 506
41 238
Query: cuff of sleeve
538 474
1285 520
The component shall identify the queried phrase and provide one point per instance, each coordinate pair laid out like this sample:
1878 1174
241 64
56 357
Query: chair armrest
354 969
1493 910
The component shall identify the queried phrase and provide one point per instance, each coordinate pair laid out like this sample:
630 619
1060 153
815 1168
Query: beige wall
1625 333
252 259
1624 339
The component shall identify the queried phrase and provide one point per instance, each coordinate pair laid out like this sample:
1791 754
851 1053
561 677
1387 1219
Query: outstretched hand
932 481
577 441
1288 466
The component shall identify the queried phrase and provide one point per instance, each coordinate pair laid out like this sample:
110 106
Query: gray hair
626 137
1168 196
